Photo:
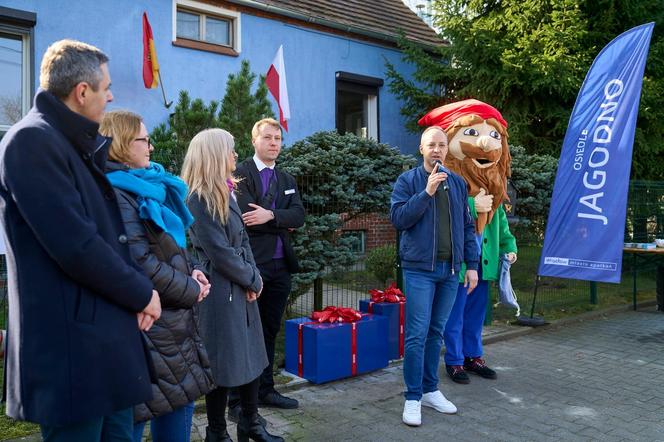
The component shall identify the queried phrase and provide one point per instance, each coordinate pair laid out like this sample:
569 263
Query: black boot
251 428
214 436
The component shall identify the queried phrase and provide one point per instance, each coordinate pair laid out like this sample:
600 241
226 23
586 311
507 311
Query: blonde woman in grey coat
229 319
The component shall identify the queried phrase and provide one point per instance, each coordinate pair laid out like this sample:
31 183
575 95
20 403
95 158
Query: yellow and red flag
150 63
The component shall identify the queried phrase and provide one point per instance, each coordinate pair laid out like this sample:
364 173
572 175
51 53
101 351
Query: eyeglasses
146 139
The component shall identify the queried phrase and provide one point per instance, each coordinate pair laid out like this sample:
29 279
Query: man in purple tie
271 207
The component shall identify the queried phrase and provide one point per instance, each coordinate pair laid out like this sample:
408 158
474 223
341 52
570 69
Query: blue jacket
413 212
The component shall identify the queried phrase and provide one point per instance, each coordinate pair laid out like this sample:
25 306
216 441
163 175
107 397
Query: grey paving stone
600 379
558 384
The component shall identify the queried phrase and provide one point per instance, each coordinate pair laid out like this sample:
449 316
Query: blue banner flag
585 231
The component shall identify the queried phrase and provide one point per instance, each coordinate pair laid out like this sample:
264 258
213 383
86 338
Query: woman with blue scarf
152 205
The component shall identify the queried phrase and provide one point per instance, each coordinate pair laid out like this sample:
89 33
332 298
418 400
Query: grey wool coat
230 326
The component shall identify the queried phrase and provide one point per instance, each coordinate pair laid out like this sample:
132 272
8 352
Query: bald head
428 132
433 147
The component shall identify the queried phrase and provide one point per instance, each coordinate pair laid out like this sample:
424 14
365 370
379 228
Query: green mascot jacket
496 240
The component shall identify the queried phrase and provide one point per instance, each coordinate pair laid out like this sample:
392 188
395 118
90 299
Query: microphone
445 184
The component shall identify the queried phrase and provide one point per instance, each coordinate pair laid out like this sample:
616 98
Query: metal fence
346 285
556 297
338 224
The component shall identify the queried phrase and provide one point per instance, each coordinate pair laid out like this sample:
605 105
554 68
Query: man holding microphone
430 209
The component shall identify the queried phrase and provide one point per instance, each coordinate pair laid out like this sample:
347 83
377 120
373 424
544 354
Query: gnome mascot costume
478 151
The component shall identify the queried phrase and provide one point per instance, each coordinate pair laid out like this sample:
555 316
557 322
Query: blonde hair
264 122
123 126
206 168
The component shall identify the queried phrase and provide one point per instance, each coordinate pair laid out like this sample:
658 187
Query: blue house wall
311 58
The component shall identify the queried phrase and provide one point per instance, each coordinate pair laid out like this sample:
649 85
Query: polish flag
276 84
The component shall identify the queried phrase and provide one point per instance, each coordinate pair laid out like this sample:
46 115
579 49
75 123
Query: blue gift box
327 349
392 311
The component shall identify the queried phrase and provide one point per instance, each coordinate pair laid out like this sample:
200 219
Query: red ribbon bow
391 294
336 314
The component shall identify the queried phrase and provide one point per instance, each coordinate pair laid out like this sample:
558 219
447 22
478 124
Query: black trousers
215 403
272 305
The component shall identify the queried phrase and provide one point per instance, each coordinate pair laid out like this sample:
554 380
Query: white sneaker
437 401
412 413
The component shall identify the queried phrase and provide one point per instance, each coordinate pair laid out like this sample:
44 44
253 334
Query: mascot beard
492 178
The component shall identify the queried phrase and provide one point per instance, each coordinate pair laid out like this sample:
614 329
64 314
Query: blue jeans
463 332
172 427
430 296
115 427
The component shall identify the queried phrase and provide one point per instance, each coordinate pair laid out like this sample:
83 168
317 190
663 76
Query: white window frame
369 89
213 12
372 116
26 69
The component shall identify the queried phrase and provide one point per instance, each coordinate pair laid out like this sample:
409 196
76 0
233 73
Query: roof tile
386 17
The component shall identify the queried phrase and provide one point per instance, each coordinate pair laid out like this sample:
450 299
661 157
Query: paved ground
601 379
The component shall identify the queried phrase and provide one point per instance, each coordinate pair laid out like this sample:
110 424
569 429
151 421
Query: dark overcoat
230 326
74 348
180 361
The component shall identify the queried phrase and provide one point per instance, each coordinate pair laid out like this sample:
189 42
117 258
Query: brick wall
377 228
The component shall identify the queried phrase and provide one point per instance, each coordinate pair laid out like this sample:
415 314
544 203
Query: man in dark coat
271 207
75 362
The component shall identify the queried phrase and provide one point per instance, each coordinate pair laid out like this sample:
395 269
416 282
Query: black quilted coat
181 363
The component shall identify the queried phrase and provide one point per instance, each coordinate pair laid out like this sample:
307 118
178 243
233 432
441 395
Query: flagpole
167 104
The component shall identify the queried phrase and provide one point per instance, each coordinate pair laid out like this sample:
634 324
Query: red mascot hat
444 116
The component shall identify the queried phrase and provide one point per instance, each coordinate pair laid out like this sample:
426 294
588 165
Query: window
359 240
16 65
357 104
205 27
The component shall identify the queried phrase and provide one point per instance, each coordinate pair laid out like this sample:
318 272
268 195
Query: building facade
334 53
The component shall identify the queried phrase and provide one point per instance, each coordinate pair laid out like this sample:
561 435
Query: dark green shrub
240 109
172 140
382 262
339 177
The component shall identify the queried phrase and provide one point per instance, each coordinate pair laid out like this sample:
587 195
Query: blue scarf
160 196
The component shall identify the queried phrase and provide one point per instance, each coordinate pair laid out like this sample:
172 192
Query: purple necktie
267 175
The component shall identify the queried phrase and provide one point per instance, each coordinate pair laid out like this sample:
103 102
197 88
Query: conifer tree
240 109
528 58
172 140
357 178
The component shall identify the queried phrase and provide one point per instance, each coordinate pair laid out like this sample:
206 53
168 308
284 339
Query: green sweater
496 240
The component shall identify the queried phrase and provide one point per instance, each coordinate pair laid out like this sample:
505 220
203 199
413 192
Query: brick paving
601 379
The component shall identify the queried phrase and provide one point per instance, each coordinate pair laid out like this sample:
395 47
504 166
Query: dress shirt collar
261 165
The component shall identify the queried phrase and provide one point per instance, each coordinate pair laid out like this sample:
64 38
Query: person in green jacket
479 152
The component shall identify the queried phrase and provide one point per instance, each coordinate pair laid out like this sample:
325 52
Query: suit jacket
74 348
288 213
